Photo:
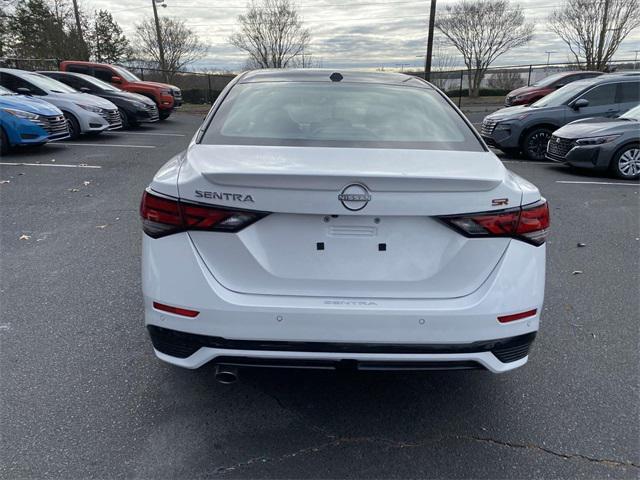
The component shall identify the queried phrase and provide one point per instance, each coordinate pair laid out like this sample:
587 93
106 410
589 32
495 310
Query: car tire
164 114
626 162
534 143
74 126
4 142
126 123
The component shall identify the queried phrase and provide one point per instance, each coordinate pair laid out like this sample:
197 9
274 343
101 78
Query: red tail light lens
529 223
176 310
517 316
163 216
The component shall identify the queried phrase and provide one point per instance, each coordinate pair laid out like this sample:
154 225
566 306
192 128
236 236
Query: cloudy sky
345 33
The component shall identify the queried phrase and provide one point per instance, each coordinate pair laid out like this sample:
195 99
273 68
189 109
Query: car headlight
503 126
596 140
22 114
165 91
91 108
520 97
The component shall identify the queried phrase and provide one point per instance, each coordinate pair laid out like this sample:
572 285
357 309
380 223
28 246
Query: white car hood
79 99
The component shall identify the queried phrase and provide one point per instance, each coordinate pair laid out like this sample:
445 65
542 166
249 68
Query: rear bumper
192 350
403 330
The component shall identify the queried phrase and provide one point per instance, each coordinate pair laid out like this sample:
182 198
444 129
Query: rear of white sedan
329 220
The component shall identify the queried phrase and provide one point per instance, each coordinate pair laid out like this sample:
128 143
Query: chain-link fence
498 81
203 88
197 87
30 63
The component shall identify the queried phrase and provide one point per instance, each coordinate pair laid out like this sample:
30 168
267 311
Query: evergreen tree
110 45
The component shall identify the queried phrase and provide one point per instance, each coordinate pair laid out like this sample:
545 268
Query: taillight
163 216
529 223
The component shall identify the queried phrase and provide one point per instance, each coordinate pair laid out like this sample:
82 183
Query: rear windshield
339 115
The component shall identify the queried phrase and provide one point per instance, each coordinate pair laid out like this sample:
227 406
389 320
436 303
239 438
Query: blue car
28 121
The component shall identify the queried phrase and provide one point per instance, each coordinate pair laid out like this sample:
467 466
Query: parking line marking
599 183
16 164
151 133
74 144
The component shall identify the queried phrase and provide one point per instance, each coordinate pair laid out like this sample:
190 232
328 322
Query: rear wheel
164 114
74 126
626 162
4 142
534 143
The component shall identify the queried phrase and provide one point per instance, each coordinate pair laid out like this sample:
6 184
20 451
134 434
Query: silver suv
527 129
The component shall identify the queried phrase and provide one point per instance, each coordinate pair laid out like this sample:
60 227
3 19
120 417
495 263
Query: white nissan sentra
325 220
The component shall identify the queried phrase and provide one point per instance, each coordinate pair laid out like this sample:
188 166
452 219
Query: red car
533 93
167 97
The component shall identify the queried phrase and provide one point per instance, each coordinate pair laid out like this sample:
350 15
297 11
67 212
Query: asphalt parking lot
84 397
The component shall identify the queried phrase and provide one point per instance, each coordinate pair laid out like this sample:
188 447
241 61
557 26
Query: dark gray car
527 129
600 144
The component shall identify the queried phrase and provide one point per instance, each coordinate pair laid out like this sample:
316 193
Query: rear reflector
175 310
163 216
529 223
517 316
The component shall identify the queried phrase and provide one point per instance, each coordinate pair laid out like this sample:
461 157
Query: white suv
321 220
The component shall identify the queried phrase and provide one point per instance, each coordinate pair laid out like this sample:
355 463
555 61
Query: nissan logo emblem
354 197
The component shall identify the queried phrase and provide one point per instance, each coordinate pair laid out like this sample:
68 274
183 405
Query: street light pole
427 60
636 59
159 35
549 52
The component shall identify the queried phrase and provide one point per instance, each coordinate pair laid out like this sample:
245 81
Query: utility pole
427 60
76 12
159 35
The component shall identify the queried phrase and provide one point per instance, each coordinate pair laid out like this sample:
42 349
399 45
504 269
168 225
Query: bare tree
272 33
181 44
506 80
482 31
594 29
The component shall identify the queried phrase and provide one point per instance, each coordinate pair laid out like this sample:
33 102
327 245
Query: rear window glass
339 115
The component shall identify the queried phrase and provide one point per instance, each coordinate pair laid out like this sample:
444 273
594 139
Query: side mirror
23 91
85 90
116 79
580 103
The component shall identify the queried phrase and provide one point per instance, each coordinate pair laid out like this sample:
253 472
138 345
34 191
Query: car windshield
545 82
48 84
126 74
98 83
562 95
339 115
4 91
633 114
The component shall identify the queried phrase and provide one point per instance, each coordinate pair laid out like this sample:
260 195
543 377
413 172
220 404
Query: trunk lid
378 240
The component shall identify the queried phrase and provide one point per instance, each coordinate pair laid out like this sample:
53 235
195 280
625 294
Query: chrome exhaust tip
226 374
